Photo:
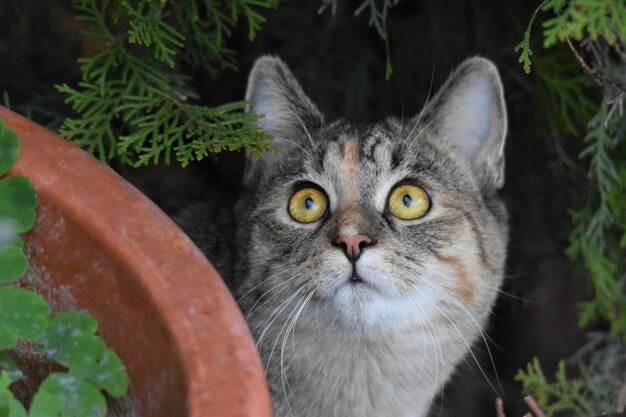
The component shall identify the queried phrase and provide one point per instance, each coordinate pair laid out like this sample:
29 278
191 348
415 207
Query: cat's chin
359 303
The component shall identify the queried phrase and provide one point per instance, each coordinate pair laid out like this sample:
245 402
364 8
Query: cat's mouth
356 280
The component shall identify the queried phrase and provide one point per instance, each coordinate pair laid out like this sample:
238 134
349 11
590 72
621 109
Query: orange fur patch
349 219
465 286
348 171
484 258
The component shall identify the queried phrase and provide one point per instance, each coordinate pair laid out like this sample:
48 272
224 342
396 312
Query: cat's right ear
274 94
469 118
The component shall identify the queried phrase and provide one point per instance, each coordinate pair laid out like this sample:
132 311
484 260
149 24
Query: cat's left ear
286 112
275 94
468 116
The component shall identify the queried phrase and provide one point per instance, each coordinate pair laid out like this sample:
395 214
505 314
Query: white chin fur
378 301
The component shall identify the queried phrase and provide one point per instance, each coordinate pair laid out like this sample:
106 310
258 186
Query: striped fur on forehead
345 158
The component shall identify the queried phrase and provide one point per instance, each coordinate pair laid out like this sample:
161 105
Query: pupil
407 200
309 203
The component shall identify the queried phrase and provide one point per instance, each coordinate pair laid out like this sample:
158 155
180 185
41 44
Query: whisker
419 117
315 146
479 327
437 343
275 313
460 334
419 316
471 290
293 142
426 126
285 324
263 281
291 328
516 297
281 284
469 314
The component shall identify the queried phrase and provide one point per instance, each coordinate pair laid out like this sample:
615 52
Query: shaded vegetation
565 150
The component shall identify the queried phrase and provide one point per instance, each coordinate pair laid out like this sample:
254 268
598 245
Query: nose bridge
348 172
352 233
351 220
352 228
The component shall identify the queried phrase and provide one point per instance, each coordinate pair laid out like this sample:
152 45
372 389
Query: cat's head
383 222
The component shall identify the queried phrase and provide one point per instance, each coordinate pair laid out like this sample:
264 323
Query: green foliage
599 235
568 101
561 395
8 365
18 201
523 48
574 20
9 406
23 315
9 149
70 340
134 99
66 395
12 256
600 367
598 238
378 19
67 338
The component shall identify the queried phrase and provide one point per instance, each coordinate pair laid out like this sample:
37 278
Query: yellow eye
308 205
408 202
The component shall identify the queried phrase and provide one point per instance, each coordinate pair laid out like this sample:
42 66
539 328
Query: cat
365 257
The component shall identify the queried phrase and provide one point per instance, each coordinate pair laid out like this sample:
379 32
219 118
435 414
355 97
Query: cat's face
381 224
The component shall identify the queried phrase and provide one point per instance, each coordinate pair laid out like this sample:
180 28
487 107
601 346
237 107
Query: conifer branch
135 103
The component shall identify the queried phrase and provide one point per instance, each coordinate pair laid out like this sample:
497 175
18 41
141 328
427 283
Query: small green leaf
23 314
8 338
7 364
13 263
9 406
18 201
9 148
70 339
109 374
65 395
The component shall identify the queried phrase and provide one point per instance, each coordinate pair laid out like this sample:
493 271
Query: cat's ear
274 93
468 116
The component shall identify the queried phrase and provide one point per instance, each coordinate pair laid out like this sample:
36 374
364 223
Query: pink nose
353 245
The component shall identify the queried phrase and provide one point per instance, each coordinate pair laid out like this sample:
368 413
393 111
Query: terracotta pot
99 244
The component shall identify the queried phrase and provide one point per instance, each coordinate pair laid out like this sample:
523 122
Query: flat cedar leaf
9 406
18 201
109 374
70 339
13 263
66 395
8 366
9 148
23 314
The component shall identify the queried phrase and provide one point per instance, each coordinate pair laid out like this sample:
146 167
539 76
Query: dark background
340 62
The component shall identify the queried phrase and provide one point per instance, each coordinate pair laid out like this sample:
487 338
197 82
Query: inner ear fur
287 114
468 117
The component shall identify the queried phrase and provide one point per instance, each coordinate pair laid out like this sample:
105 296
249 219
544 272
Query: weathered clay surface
100 245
